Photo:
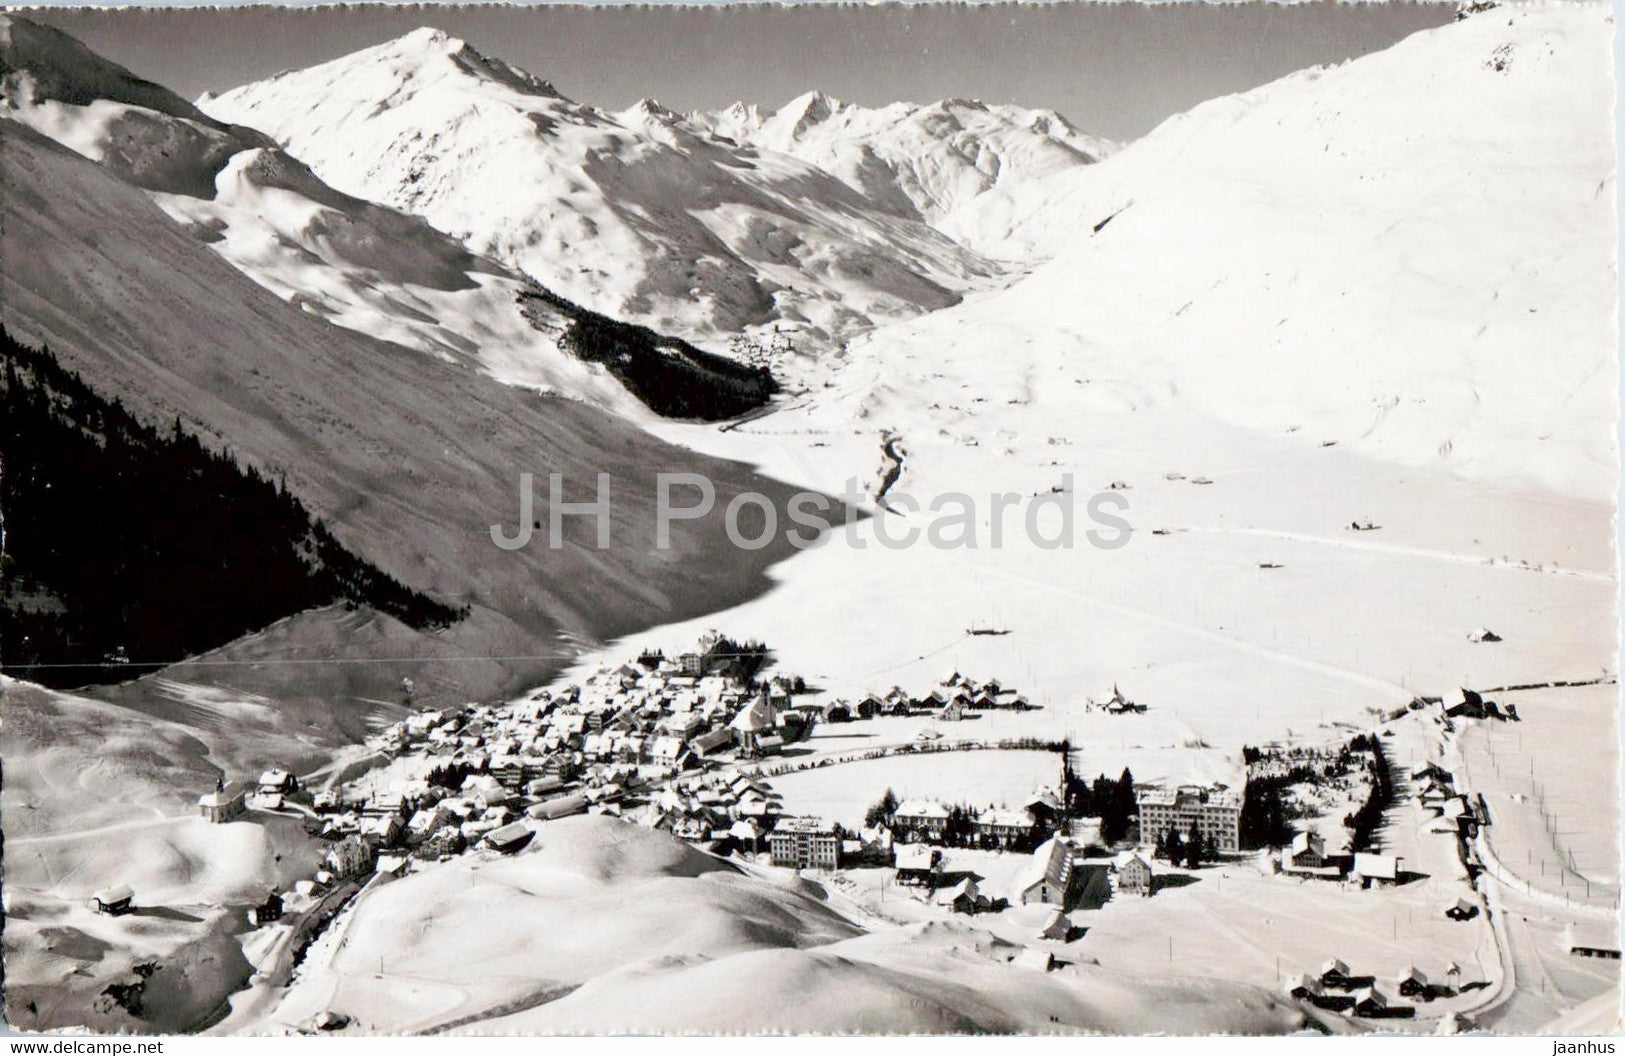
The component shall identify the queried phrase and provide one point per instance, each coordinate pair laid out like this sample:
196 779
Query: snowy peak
639 214
923 161
423 59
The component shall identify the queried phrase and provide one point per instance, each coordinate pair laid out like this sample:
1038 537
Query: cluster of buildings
950 700
995 828
651 741
1337 988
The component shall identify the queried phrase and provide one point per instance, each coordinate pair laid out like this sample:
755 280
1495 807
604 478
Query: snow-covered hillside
922 161
362 266
1411 254
635 214
409 459
1418 337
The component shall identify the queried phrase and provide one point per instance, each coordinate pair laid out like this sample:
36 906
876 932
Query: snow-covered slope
362 266
1411 253
923 161
613 928
1270 343
409 459
634 214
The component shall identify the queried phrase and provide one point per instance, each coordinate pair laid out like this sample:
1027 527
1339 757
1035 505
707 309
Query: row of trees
1113 802
130 545
1189 850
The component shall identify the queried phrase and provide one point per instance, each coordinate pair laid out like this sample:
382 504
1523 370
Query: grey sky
1113 69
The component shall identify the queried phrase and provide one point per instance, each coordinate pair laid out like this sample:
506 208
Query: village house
918 864
277 783
1306 856
964 897
268 910
1048 878
1380 870
1335 973
1134 874
508 838
920 821
351 856
1412 983
805 843
113 901
1301 987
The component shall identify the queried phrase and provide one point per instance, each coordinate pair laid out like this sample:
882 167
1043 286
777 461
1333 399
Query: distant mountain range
816 218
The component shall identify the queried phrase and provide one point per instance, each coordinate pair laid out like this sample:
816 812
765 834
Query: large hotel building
1216 812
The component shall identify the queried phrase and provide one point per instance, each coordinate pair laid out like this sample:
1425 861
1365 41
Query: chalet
277 782
425 822
953 711
918 864
1368 1001
113 901
509 838
559 806
870 706
920 821
964 897
1412 983
1306 856
382 831
1048 878
1045 807
1335 974
1039 960
1461 910
543 786
1376 869
1134 874
1302 987
1471 706
392 866
805 843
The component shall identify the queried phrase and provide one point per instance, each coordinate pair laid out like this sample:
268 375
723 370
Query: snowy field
978 778
1549 781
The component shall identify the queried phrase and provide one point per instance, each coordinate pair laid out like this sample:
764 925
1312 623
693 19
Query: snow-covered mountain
363 266
1411 254
923 161
408 457
638 214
